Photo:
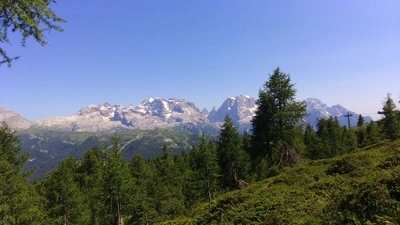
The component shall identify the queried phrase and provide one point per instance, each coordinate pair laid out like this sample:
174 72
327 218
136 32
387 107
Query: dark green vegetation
31 18
362 187
294 175
48 148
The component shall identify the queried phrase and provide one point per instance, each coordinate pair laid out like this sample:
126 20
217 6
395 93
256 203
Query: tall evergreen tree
232 159
19 204
117 185
64 199
91 183
361 133
276 117
372 132
330 135
205 170
391 121
311 142
141 210
360 121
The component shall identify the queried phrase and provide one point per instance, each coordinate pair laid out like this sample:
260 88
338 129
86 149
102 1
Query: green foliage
232 158
391 120
205 170
90 181
276 117
64 199
360 121
117 185
19 203
48 148
372 133
330 139
30 18
357 188
341 167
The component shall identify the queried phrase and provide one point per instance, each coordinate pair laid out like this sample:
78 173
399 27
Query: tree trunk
119 209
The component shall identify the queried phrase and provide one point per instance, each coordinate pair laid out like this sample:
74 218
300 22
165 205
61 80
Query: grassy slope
357 188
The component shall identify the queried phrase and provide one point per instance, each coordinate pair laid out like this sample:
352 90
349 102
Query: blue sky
122 52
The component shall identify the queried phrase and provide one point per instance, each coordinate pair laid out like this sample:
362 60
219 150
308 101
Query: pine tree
360 121
91 183
232 158
65 200
141 210
205 170
311 142
166 188
391 121
372 132
276 117
19 203
118 187
330 135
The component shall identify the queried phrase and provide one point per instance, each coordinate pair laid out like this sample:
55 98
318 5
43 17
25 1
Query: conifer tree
361 133
232 159
166 189
19 203
91 183
391 121
65 200
29 17
372 132
276 117
141 210
330 133
360 121
311 142
205 171
118 187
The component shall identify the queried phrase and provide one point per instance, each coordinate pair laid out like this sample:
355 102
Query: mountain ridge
172 113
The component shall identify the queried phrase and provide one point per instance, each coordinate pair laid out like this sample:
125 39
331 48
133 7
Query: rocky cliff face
151 113
177 114
241 109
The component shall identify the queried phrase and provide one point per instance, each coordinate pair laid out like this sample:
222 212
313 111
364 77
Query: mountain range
143 129
173 113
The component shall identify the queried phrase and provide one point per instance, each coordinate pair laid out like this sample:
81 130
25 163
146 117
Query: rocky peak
13 119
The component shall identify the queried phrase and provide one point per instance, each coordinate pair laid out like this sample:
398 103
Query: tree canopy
30 18
276 117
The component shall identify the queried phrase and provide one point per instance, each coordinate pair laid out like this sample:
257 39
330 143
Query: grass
362 187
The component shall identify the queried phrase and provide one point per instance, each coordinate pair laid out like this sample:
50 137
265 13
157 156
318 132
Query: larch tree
274 125
31 18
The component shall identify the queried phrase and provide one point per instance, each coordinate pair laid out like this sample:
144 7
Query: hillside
48 147
358 188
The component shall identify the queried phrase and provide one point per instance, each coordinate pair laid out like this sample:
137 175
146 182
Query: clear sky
122 52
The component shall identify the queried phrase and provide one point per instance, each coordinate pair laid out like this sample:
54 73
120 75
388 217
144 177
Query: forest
212 181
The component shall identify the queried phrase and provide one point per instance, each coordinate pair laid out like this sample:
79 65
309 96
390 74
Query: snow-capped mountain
241 109
177 114
317 109
151 113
